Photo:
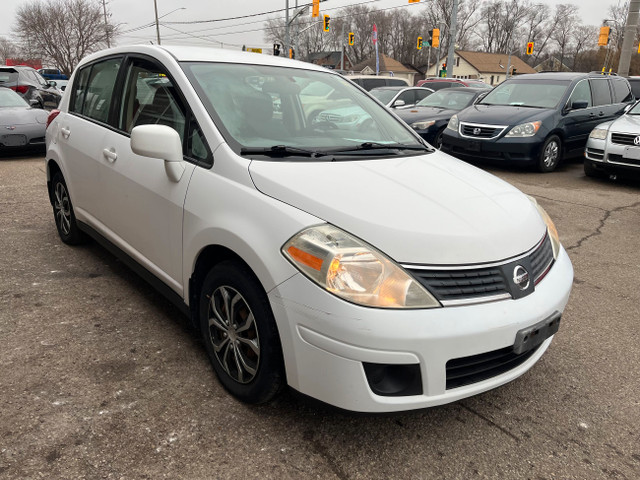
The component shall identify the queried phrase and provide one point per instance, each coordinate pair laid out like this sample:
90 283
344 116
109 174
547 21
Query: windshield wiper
368 146
280 151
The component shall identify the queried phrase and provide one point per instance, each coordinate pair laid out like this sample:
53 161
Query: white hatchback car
357 265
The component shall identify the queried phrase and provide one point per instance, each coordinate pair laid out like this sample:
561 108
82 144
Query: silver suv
614 146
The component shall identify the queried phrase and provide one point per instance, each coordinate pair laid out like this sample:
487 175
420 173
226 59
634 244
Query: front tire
240 333
63 212
550 154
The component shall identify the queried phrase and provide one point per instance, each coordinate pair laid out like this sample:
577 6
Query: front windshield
635 110
528 93
258 106
9 98
384 96
449 99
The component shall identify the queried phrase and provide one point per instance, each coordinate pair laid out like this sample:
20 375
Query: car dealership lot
102 377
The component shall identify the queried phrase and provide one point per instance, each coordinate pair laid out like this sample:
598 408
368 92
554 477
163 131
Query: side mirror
399 103
160 141
579 105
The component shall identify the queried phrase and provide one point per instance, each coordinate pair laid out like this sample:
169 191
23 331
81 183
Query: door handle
601 114
65 132
110 154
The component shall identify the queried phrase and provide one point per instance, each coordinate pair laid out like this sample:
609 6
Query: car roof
206 54
397 88
558 76
463 89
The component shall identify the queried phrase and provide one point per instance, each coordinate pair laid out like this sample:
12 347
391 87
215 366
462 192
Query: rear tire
550 154
240 333
63 213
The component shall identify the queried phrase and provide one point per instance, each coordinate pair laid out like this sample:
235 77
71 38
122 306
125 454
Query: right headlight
599 133
453 123
551 228
350 269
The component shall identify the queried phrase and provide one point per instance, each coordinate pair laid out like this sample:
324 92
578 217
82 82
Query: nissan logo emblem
476 131
636 140
521 277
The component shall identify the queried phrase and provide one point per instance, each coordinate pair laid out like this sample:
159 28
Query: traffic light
352 37
603 39
414 1
430 37
315 11
292 53
529 48
276 49
419 46
435 38
638 48
326 20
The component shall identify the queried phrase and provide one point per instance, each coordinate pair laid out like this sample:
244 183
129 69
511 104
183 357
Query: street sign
254 50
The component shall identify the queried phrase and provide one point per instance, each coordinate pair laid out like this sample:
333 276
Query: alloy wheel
233 334
62 207
551 153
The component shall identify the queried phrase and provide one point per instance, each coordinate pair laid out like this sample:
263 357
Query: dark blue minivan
537 119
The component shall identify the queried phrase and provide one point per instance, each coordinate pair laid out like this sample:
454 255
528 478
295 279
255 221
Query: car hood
429 209
22 116
414 114
626 123
503 114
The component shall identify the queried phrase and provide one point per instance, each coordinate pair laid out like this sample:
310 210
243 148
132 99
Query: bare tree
501 24
565 21
63 31
583 37
8 49
438 13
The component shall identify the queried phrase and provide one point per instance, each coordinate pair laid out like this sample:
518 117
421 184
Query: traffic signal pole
629 38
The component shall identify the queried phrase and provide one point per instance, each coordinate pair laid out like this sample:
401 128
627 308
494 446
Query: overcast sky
133 14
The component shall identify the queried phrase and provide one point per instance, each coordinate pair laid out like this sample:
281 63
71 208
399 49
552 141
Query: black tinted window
396 83
600 91
94 89
79 90
408 97
370 83
621 91
581 93
635 86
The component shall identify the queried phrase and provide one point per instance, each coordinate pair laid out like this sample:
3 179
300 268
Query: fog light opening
394 380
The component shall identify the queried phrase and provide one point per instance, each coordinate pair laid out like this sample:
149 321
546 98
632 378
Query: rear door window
408 97
601 92
621 90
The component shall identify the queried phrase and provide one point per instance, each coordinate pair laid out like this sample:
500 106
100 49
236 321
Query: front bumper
520 150
326 341
609 157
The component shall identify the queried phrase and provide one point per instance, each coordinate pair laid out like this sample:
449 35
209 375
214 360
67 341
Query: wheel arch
52 169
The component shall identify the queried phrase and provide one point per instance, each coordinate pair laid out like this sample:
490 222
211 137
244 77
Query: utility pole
452 38
106 25
342 47
287 39
629 38
155 5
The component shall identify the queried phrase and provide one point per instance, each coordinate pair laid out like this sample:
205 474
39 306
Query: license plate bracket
530 337
13 140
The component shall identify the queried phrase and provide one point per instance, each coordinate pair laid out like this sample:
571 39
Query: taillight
52 114
20 88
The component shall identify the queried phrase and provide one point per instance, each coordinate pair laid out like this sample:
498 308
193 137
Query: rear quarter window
621 90
600 91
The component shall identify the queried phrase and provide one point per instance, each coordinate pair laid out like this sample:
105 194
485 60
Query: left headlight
551 228
422 125
525 130
350 269
599 133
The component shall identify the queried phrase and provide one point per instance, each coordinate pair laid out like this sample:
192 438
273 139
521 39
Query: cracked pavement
102 377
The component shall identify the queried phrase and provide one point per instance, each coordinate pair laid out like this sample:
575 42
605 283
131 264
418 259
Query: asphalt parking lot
102 378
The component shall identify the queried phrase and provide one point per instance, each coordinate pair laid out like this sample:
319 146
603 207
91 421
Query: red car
439 83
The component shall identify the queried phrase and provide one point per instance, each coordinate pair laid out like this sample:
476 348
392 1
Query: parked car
21 126
614 146
440 83
359 266
430 116
27 82
52 74
59 84
369 82
536 119
400 97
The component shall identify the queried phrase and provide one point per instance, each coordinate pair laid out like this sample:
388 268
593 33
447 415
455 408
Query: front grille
470 285
595 153
623 138
476 368
480 131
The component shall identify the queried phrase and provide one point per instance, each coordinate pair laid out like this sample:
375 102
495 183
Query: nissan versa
352 262
536 119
